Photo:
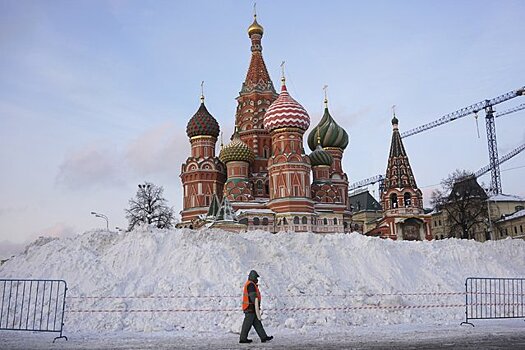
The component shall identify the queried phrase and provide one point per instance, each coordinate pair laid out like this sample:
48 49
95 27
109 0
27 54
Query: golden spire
202 91
393 111
283 79
325 96
255 28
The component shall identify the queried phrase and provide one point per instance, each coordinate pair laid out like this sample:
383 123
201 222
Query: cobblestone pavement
488 336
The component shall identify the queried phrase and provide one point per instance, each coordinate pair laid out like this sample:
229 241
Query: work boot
267 339
245 341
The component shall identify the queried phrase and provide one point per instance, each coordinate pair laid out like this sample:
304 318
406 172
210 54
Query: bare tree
149 207
465 203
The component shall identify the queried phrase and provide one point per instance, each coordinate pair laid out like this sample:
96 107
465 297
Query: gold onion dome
320 157
236 150
255 28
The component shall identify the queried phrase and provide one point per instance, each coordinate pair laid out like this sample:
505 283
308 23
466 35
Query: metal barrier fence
33 305
492 298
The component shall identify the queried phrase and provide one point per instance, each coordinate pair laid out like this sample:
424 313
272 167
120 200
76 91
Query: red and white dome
285 112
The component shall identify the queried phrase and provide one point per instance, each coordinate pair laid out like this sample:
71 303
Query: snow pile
298 270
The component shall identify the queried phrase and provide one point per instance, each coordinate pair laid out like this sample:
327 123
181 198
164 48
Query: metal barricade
33 305
492 298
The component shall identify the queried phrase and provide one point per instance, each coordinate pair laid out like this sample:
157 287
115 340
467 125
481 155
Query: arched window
285 222
266 152
304 220
296 220
244 221
407 199
265 221
256 221
325 221
393 200
335 221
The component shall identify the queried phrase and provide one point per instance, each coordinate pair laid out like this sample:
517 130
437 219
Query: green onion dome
236 150
320 157
202 123
330 133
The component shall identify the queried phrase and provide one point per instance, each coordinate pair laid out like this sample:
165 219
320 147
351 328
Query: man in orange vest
251 305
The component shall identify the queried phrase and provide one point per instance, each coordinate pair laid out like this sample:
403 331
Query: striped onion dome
320 157
236 150
285 112
202 123
330 133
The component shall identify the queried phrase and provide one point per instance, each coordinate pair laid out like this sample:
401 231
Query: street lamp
146 186
98 215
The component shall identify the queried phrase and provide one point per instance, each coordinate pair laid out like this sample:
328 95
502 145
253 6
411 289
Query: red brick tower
288 167
256 95
237 156
323 191
333 139
402 201
202 174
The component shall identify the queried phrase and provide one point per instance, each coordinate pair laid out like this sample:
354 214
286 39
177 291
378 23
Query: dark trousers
250 319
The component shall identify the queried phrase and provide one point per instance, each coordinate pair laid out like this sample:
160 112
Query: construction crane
485 105
503 159
380 178
370 181
510 110
472 109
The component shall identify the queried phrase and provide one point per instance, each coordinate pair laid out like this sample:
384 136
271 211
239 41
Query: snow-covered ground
184 282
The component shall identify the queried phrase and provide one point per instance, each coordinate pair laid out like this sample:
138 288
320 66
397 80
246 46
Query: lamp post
492 234
98 215
146 186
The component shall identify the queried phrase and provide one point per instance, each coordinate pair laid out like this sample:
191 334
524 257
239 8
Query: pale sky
95 95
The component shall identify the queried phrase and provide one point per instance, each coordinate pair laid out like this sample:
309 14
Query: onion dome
395 121
255 28
236 150
330 133
202 123
320 157
285 112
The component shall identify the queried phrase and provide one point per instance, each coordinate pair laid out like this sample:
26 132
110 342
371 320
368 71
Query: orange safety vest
245 298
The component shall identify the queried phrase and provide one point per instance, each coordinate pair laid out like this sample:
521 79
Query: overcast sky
95 95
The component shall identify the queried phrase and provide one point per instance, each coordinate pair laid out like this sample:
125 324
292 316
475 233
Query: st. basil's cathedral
263 177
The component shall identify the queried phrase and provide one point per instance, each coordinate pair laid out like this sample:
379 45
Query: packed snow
306 279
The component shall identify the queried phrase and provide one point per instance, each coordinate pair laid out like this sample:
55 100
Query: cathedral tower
203 173
256 95
237 156
288 167
401 199
333 139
